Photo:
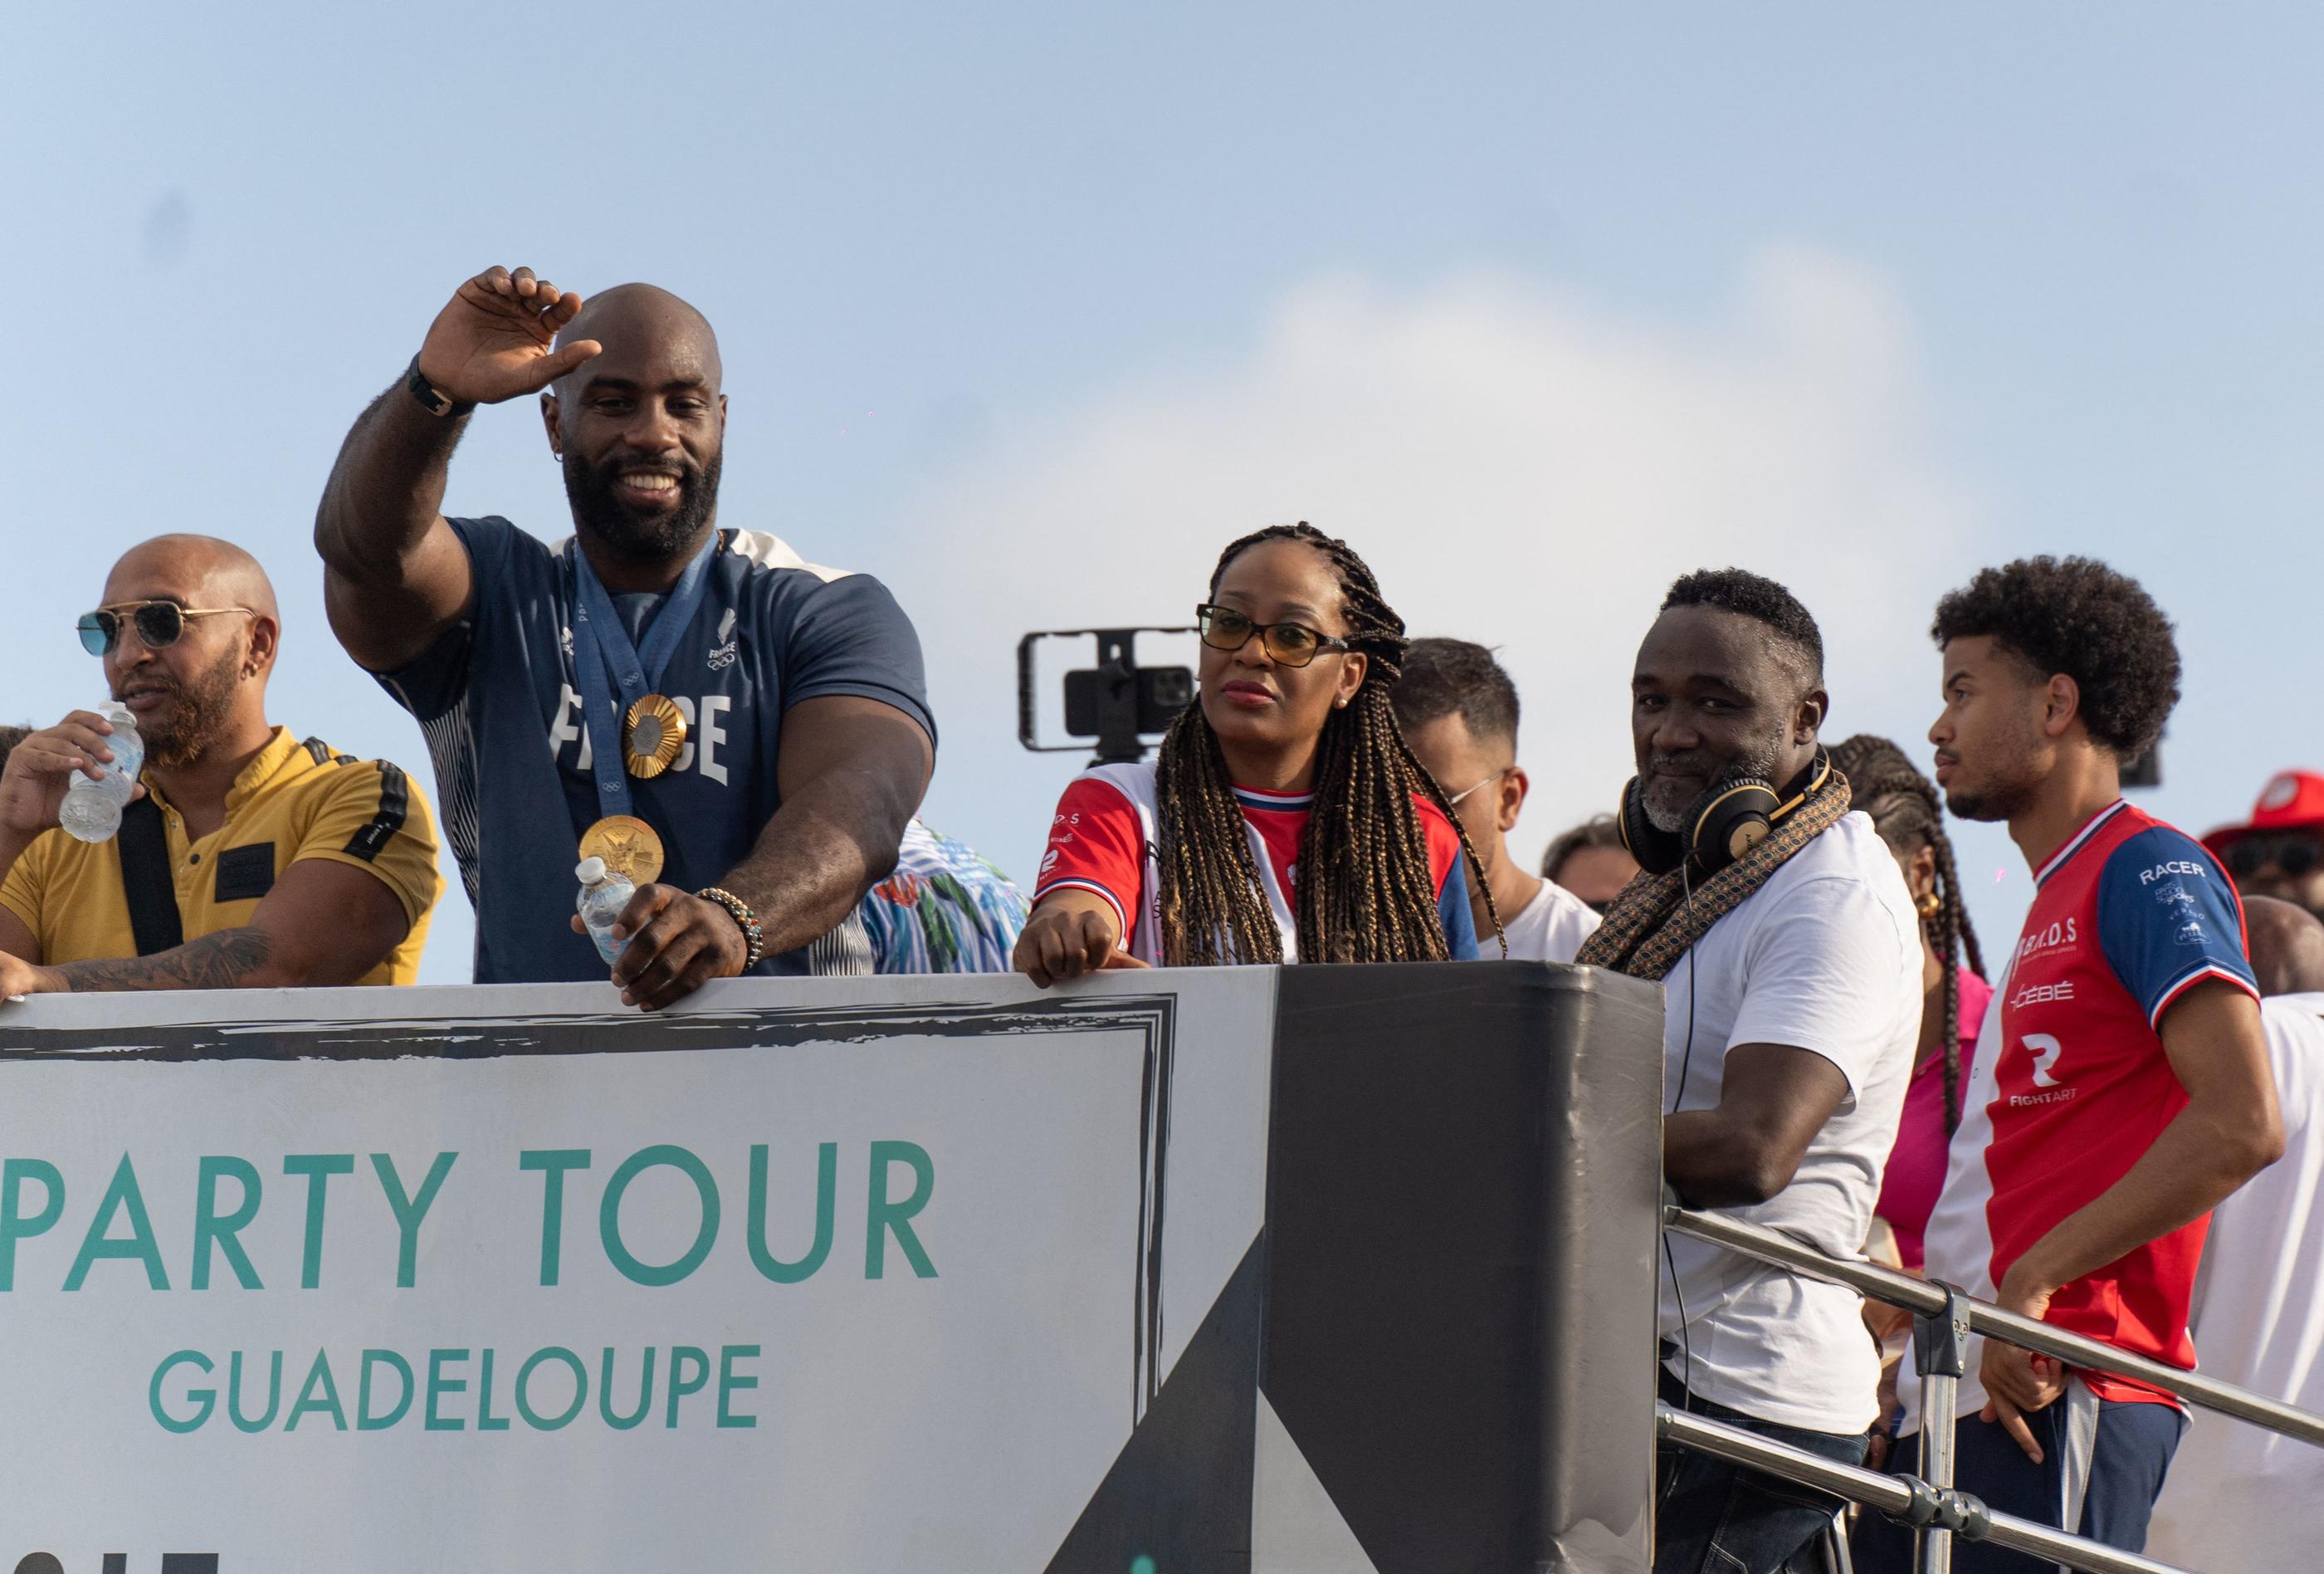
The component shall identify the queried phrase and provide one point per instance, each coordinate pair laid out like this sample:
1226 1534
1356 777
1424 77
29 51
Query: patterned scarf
1652 922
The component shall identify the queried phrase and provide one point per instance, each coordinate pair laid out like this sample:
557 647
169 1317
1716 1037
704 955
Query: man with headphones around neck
1790 962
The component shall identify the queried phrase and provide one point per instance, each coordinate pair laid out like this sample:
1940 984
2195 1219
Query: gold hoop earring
1931 905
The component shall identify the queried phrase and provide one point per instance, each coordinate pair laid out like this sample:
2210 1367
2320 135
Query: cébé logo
2061 933
2039 994
118 1563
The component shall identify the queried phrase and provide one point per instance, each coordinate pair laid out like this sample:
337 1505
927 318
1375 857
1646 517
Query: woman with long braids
1907 812
1286 819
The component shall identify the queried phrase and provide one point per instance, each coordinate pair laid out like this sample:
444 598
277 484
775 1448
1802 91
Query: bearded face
179 718
1671 784
1993 753
644 510
2003 788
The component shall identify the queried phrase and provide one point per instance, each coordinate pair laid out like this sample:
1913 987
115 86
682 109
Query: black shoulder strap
143 844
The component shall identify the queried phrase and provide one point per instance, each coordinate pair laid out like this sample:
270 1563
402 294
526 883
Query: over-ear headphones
1721 825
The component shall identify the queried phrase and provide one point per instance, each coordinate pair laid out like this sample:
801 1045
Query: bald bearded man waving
744 734
251 858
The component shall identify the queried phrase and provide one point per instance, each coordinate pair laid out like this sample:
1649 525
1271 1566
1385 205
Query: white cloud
1520 467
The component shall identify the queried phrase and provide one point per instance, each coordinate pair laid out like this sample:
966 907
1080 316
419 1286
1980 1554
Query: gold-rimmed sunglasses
159 624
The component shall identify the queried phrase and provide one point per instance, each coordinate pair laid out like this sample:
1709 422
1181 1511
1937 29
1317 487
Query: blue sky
1028 312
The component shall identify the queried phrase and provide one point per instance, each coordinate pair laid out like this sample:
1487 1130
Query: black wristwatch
431 401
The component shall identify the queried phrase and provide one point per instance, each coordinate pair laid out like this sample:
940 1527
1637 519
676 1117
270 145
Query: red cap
2292 800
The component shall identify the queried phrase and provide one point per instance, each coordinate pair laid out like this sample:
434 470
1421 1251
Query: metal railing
1904 1499
1944 1318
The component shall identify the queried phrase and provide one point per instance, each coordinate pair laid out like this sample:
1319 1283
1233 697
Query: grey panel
1296 1528
1178 1498
1463 1167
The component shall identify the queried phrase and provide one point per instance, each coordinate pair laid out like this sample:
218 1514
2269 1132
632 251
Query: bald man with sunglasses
249 858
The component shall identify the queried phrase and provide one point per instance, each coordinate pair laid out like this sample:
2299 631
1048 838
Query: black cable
1685 1059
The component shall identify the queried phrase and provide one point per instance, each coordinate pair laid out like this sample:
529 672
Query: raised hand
43 765
493 340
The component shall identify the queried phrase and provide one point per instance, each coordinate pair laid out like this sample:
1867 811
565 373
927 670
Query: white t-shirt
1550 929
2238 1496
1825 957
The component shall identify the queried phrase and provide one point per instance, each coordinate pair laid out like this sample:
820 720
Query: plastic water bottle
91 811
603 897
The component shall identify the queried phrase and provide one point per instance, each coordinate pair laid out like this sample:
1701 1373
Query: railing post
1939 1354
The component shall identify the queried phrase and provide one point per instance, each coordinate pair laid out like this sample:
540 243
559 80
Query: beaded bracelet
754 938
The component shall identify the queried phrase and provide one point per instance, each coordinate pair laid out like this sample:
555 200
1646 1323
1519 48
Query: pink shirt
1916 1164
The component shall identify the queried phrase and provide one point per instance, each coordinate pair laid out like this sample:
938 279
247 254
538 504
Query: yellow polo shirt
297 799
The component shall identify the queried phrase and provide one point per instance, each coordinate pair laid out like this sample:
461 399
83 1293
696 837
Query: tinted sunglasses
1293 644
2294 855
159 624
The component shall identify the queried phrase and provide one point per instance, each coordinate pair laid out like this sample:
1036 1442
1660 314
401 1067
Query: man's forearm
232 958
2197 1163
1711 1165
1774 1100
387 487
816 857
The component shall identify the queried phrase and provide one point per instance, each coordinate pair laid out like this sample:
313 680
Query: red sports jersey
2127 917
1104 836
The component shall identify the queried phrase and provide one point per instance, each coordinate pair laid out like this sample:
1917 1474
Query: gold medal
629 847
652 734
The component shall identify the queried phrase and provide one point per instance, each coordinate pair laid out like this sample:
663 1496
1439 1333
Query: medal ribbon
601 648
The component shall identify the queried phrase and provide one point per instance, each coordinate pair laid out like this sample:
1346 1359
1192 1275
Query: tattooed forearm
225 961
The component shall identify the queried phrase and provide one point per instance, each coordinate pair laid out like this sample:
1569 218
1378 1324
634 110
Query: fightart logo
2045 1049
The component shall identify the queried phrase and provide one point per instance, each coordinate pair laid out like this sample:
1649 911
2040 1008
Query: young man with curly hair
2128 1089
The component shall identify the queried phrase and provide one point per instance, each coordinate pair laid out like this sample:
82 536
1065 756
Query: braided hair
1909 816
1365 893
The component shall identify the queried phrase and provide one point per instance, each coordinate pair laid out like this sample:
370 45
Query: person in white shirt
1790 957
1458 712
2239 1497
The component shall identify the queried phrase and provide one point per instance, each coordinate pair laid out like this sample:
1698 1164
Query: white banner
839 1276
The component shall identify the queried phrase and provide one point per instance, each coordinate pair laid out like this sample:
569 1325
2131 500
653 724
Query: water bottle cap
590 870
121 716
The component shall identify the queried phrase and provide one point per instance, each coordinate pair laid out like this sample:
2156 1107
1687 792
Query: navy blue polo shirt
497 699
